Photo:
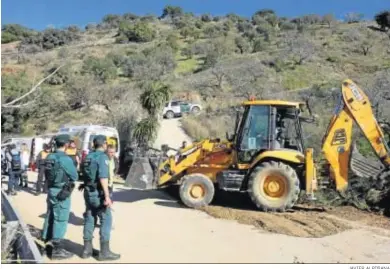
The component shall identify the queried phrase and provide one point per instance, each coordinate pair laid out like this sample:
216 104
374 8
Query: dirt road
151 227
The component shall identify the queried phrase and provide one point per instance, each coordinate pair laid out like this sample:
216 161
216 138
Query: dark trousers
41 182
13 179
96 210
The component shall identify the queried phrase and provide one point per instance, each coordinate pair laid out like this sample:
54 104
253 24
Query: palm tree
154 97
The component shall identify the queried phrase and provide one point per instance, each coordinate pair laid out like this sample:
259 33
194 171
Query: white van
86 133
18 141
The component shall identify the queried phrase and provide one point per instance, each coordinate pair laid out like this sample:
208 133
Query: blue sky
39 14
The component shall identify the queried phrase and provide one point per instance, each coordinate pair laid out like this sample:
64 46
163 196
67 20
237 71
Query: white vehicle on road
178 108
86 133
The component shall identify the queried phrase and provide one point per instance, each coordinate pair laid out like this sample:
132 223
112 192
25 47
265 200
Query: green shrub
14 32
138 32
102 68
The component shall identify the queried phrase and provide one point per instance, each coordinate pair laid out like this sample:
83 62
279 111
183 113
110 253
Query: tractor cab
267 125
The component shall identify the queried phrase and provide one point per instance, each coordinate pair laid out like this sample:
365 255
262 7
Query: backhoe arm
354 106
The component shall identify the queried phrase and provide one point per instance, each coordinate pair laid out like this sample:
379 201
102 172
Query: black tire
195 109
170 114
285 185
198 181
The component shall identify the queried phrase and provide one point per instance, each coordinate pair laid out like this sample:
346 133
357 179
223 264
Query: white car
178 108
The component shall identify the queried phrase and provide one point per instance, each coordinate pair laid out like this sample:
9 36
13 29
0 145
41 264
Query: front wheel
169 115
274 186
196 190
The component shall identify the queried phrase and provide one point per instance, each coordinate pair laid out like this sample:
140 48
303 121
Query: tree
383 20
242 44
153 99
138 32
173 41
212 31
188 31
328 19
206 18
59 77
216 50
244 26
259 44
102 68
362 39
187 51
152 65
172 12
380 95
265 15
112 20
299 48
353 17
130 17
14 32
90 27
51 38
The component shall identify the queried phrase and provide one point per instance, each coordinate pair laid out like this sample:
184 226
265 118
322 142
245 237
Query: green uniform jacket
57 215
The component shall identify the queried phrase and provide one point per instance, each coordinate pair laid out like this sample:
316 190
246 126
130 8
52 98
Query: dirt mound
301 221
294 223
364 194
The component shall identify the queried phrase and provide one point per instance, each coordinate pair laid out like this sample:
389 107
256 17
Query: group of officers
61 173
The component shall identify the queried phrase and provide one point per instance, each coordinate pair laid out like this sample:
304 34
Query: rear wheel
196 190
169 114
274 186
195 110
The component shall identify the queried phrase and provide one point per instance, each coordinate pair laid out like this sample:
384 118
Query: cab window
255 132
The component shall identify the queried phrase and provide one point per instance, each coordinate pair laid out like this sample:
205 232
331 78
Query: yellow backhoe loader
266 159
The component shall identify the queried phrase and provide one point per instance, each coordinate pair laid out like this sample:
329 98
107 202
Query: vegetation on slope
107 67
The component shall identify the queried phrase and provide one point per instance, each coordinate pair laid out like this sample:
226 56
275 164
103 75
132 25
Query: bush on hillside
138 32
60 77
130 16
52 38
213 31
206 18
172 12
14 32
244 26
242 44
362 39
102 68
265 16
151 65
172 41
111 20
328 19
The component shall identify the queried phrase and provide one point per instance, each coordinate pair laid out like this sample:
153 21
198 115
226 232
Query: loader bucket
143 172
364 167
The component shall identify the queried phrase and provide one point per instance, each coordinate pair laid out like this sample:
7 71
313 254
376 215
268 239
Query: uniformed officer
97 200
60 174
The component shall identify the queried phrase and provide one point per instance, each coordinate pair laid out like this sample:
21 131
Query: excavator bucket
143 171
364 167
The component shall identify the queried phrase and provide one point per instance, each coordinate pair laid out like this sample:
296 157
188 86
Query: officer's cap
99 140
62 139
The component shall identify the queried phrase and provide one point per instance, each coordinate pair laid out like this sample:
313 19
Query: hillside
104 68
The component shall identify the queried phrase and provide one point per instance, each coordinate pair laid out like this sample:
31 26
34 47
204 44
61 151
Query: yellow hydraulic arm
354 106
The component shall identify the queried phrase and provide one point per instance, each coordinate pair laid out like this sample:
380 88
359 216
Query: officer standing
60 174
97 200
42 182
